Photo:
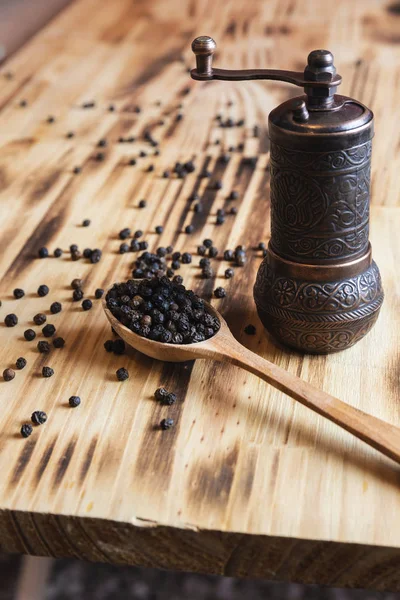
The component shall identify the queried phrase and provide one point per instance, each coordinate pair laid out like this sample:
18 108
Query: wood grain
248 482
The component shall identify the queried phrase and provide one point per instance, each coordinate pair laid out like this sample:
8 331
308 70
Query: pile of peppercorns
162 310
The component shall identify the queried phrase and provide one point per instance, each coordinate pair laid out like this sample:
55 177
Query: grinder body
318 289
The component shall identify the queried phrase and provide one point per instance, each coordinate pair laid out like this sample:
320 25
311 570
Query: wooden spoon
223 347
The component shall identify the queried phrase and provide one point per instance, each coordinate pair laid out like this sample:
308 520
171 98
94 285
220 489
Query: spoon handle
382 436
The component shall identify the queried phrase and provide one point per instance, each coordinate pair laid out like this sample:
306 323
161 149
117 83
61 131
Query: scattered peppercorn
38 417
70 134
86 223
198 207
201 250
58 252
142 204
229 255
233 210
58 342
11 320
90 104
108 345
122 374
219 292
26 430
189 229
50 119
43 347
43 252
29 335
207 243
169 399
43 290
23 103
74 401
87 304
55 307
96 256
250 330
124 248
111 108
48 330
76 283
118 346
77 295
159 229
20 363
213 252
18 293
229 273
99 293
8 374
233 195
186 258
47 372
77 170
220 220
261 246
160 394
166 174
167 424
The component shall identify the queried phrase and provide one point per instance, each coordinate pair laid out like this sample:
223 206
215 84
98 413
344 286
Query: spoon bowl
223 347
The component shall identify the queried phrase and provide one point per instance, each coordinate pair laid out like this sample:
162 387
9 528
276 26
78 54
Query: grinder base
318 308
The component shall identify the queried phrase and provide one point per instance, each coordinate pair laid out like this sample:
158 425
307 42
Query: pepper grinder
318 289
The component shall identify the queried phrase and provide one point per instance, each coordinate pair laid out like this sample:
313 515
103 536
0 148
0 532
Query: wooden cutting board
247 482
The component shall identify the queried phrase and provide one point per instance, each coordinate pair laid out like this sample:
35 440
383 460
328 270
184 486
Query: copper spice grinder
318 289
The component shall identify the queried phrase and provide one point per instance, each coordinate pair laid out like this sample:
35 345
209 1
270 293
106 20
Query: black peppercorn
250 330
74 401
218 185
219 292
43 347
70 134
96 256
118 347
23 103
26 430
47 372
99 293
58 342
166 424
124 233
201 250
122 374
261 246
77 170
38 417
169 399
58 252
138 234
233 195
50 119
43 252
11 320
77 295
108 345
186 258
175 265
189 229
124 248
233 210
207 243
43 290
143 245
55 307
76 255
240 259
159 229
87 253
111 108
142 204
86 223
18 293
220 220
178 279
8 374
48 330
229 255
90 104
20 363
87 304
160 394
207 273
76 283
198 207
150 168
29 335
213 252
204 262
